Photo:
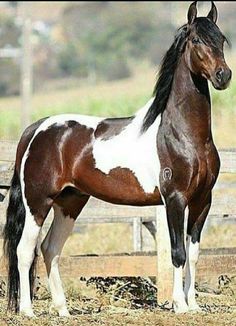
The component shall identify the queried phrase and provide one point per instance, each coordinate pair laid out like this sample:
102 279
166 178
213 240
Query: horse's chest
187 169
209 166
207 169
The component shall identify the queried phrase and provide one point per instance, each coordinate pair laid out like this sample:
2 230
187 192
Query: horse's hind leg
198 211
25 255
65 212
26 251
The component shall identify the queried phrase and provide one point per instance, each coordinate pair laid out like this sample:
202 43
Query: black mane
210 35
165 78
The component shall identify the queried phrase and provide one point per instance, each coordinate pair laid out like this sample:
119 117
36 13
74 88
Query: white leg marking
179 303
186 213
51 248
192 252
25 255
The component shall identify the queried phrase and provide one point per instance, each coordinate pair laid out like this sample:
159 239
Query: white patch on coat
192 254
132 150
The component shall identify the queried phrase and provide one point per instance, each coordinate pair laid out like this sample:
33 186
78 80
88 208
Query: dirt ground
126 302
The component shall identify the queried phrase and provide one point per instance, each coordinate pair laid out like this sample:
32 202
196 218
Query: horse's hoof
180 308
194 307
63 312
28 312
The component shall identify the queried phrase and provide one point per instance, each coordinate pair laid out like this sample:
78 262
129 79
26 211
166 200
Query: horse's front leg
175 208
198 211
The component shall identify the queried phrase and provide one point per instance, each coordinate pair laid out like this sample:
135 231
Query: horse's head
204 48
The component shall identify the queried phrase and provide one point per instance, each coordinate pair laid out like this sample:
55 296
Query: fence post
26 68
164 265
137 234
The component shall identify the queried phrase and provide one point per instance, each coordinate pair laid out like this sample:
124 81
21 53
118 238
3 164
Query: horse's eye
196 40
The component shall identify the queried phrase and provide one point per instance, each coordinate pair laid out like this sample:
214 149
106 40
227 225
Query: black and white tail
12 234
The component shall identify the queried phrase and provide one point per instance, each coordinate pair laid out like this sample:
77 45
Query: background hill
100 58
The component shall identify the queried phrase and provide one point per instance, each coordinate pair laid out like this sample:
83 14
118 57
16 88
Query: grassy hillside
114 99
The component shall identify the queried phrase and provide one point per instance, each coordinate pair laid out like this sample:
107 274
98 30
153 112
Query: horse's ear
192 12
213 14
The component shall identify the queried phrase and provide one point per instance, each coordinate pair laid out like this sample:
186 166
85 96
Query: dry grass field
89 305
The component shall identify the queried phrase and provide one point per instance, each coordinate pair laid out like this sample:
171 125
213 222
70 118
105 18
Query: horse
163 155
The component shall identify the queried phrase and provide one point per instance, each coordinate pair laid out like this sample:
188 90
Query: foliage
137 292
9 31
69 61
9 68
107 36
9 77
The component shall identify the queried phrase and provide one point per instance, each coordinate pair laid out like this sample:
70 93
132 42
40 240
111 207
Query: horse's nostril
229 74
219 74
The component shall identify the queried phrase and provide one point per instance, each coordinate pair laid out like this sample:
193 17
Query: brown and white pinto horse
163 155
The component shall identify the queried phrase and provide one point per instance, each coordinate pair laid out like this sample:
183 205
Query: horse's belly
119 186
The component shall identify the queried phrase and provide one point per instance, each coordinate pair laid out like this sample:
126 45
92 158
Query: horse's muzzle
222 78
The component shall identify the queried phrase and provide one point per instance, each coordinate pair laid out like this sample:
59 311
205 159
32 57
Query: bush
9 77
116 68
103 37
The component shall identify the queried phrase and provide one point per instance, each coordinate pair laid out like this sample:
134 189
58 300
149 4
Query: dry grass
117 238
224 130
89 306
100 238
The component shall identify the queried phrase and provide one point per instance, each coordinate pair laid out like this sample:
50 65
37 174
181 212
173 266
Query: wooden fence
212 263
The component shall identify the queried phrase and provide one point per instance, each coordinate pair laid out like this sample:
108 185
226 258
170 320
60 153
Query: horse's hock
212 262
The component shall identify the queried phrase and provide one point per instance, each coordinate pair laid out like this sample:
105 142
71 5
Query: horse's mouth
220 86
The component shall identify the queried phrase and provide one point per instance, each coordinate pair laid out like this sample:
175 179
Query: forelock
209 32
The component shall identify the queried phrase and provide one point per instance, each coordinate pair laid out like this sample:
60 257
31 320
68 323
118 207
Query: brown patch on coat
109 128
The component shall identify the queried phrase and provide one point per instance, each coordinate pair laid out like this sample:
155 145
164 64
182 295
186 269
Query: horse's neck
188 108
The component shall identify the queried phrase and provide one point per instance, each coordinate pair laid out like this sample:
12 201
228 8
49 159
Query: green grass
224 102
115 99
117 106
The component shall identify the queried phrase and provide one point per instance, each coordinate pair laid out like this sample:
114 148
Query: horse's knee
178 256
